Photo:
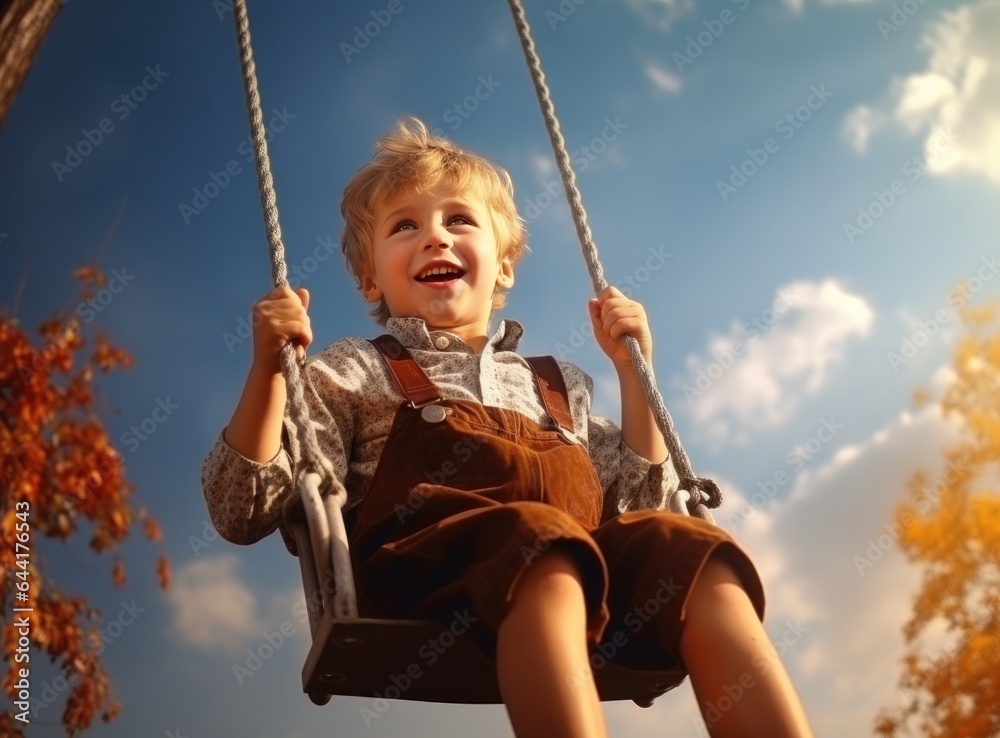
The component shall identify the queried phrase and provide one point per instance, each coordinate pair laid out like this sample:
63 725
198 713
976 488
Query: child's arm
613 315
255 428
247 474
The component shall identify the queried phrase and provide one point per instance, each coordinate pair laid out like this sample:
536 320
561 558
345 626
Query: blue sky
790 187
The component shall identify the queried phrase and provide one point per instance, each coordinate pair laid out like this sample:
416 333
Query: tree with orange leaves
58 469
952 529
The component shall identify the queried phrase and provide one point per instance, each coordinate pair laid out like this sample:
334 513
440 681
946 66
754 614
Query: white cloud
663 78
803 541
797 6
607 395
754 377
957 98
859 126
661 14
543 165
804 544
845 666
214 610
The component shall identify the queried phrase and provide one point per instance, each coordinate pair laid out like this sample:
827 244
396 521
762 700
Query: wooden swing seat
399 659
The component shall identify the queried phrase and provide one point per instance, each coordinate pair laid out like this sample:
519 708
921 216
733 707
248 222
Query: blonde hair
411 159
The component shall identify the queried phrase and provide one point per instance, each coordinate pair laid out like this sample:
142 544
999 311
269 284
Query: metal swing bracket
319 536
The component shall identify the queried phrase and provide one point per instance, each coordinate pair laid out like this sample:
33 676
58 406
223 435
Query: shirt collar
413 334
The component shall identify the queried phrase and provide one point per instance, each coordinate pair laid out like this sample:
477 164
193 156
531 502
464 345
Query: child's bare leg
542 660
733 665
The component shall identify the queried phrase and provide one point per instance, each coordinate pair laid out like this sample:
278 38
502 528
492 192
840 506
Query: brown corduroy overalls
465 497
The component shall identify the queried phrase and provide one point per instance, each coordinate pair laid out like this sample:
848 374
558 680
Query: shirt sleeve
245 497
630 482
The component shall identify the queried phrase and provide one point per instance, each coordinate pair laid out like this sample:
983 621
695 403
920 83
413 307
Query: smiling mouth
441 278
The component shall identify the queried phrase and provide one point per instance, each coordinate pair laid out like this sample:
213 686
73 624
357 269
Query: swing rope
315 463
299 412
324 514
710 495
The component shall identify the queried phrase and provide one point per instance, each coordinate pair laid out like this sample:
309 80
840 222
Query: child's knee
556 571
719 570
717 585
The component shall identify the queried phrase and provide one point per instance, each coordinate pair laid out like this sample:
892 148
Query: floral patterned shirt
353 399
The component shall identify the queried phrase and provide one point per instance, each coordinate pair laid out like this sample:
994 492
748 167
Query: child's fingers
624 326
279 293
630 313
303 333
281 317
303 294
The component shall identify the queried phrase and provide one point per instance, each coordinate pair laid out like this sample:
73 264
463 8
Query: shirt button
442 342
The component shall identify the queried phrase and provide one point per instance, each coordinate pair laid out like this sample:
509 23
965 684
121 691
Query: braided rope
313 456
307 443
710 495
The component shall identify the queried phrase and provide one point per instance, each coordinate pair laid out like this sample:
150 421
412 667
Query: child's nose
438 235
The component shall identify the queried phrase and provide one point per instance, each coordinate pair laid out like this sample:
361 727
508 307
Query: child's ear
369 289
505 277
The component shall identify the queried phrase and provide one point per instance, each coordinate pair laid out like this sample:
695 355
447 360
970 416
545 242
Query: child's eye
463 219
403 225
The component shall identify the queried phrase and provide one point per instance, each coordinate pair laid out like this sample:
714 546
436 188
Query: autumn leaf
56 457
951 528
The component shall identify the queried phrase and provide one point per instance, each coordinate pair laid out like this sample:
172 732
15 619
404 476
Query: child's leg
542 659
725 647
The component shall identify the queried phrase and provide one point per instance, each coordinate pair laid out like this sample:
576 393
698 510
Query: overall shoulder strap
412 381
552 388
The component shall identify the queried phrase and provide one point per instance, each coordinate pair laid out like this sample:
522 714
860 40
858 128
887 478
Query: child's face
416 231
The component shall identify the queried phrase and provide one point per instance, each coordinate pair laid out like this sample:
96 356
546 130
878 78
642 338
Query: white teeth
439 270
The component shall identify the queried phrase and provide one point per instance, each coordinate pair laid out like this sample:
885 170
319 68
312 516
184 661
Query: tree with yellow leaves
952 529
58 469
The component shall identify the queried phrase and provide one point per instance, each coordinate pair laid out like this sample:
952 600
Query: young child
479 480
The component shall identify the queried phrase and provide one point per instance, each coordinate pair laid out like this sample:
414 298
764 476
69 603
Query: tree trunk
23 25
